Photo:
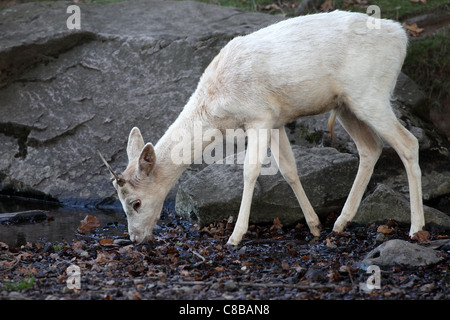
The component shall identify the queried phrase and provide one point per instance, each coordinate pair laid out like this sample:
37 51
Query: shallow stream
61 223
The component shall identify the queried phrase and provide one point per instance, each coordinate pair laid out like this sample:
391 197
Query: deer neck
180 145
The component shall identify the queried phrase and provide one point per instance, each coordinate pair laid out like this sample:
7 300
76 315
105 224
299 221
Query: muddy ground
184 261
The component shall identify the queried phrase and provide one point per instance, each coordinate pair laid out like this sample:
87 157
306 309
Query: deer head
137 188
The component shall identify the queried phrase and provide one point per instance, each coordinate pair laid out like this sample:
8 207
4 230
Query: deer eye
136 205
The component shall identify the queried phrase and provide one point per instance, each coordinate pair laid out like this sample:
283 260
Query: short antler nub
119 180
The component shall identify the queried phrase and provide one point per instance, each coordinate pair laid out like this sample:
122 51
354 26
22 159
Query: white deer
298 67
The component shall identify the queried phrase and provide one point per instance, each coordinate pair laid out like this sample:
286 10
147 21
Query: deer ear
147 159
135 144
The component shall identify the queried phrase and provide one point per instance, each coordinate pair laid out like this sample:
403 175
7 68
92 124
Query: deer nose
138 238
134 238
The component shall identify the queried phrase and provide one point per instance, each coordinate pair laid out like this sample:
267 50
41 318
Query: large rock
66 93
384 204
215 192
400 253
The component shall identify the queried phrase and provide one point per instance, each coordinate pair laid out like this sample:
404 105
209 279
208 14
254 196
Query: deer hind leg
407 147
282 151
382 120
256 152
369 148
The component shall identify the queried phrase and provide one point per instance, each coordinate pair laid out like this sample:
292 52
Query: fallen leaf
172 250
185 273
5 264
333 275
24 256
413 29
26 271
78 245
102 257
87 224
276 224
106 242
272 6
421 236
384 229
421 1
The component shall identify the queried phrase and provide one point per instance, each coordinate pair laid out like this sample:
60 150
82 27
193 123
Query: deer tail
331 121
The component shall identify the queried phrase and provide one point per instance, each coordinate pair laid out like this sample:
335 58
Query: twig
262 285
350 275
286 285
198 255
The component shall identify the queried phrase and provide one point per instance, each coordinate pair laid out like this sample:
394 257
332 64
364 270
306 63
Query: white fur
299 67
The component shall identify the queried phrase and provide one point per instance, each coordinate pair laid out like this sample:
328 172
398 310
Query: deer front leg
256 151
282 151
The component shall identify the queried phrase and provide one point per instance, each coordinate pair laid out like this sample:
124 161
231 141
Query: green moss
21 285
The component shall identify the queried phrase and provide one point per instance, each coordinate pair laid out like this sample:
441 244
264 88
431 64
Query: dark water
61 223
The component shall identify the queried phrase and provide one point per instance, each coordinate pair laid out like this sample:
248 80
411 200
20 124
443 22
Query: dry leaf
272 6
102 257
24 256
276 224
421 236
106 242
413 29
7 264
333 275
87 224
384 229
329 242
78 245
421 1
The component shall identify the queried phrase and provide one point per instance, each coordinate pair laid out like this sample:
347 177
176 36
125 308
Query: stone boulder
66 93
400 253
215 192
384 204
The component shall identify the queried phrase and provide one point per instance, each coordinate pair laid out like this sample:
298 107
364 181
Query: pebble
380 237
14 295
122 242
230 285
427 287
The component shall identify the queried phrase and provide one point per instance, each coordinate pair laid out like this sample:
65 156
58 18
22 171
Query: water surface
61 223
